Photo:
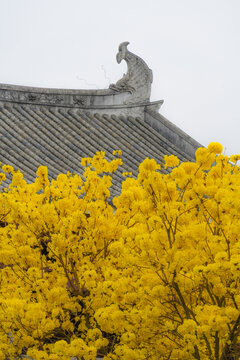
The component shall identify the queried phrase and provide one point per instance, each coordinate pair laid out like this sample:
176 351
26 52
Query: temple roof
57 127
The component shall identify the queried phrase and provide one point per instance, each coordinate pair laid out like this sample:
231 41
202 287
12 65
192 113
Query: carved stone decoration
7 95
138 78
29 97
49 98
79 100
32 97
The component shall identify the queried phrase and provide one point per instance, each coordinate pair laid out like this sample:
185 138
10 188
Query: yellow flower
117 152
215 147
2 177
8 168
171 161
234 158
42 171
205 157
124 174
84 161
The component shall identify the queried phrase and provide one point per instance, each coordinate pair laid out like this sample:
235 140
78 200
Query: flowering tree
154 277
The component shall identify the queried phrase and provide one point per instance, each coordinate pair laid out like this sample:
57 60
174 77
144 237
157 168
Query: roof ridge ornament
137 81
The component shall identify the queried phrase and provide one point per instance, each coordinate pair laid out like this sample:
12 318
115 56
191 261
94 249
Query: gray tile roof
33 135
57 127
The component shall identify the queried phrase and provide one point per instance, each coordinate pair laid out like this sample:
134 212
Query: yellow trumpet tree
153 276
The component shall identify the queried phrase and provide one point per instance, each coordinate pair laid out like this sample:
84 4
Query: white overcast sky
192 47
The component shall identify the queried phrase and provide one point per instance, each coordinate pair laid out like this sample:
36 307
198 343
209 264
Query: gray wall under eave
171 132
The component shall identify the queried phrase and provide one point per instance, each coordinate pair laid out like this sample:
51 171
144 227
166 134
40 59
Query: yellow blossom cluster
117 152
171 161
129 173
154 275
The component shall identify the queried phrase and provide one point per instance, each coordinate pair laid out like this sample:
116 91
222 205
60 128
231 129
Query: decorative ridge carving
137 81
41 98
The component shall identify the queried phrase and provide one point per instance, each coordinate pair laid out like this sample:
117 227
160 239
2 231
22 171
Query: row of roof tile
59 137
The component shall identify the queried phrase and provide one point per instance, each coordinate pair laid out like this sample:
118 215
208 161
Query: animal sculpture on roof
137 81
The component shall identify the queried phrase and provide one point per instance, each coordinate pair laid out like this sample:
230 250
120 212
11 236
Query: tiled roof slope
59 137
57 127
